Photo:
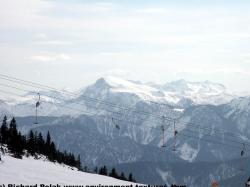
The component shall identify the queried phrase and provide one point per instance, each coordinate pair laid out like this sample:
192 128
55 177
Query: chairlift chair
38 103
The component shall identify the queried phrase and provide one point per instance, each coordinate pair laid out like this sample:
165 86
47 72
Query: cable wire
137 125
29 83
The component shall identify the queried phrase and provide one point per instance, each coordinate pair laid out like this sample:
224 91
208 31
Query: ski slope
29 171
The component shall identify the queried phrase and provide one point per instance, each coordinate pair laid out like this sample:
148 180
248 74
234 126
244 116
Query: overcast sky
71 43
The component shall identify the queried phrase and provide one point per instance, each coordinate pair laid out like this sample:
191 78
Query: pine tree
31 143
15 140
52 152
12 136
40 144
96 170
100 171
12 130
103 171
19 150
122 177
4 131
78 162
34 143
13 124
47 143
113 173
48 140
130 178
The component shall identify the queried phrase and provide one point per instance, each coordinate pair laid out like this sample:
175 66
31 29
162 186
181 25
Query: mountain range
112 89
119 123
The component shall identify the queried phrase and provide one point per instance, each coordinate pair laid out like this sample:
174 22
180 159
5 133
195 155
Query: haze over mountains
85 122
180 93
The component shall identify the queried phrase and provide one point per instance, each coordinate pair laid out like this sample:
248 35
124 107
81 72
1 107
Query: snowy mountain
173 93
29 171
199 130
238 111
122 92
99 142
87 125
199 92
98 108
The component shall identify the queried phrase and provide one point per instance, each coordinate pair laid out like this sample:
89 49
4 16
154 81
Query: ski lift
163 136
175 135
242 153
243 150
116 126
175 132
38 103
163 131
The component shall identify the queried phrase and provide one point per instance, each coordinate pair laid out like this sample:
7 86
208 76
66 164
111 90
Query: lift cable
190 133
28 83
175 131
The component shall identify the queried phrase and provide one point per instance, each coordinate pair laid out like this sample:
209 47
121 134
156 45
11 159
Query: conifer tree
4 131
52 152
31 143
19 146
40 143
130 178
14 140
122 177
103 171
47 143
96 170
78 162
34 143
48 139
113 173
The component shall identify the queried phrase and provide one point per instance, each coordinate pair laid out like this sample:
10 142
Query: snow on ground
187 152
144 91
166 176
28 171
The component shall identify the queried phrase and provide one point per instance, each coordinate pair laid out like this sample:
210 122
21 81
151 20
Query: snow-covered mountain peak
174 92
183 86
127 85
117 82
122 92
178 86
141 90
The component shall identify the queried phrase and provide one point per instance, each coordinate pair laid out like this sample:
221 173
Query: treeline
113 173
34 144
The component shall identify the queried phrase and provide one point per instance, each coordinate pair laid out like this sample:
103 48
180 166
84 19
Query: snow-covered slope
30 171
238 111
199 92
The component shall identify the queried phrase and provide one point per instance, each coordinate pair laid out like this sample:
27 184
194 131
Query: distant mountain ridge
87 125
122 92
198 92
174 90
